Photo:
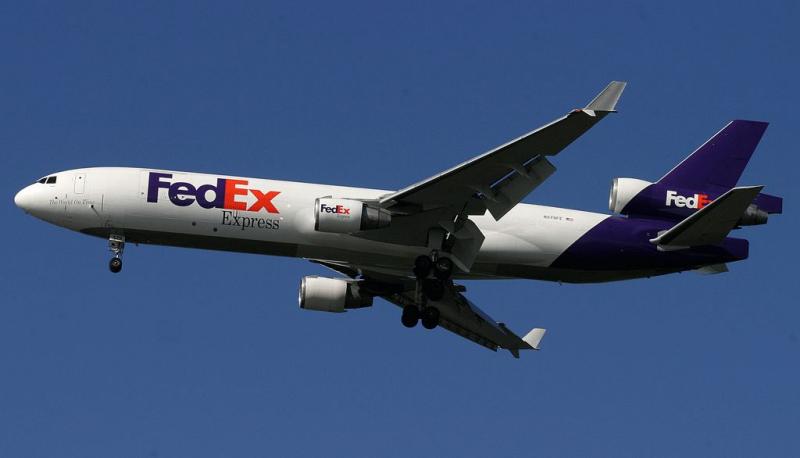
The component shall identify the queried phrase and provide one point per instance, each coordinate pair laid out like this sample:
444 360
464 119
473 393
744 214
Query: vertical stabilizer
721 160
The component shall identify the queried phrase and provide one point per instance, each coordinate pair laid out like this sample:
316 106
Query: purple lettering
177 192
154 183
219 194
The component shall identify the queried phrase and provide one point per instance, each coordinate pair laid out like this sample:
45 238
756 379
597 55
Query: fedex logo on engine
696 201
227 193
338 209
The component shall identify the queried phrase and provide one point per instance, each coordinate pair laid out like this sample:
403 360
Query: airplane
412 246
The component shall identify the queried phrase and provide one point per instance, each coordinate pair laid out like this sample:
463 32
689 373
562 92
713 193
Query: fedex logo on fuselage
696 201
227 193
338 209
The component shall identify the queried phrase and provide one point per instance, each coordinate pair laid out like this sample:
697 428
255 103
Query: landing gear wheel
410 316
430 317
433 289
443 268
115 265
116 244
422 266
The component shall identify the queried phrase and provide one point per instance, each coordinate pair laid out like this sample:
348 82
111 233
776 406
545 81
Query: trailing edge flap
711 224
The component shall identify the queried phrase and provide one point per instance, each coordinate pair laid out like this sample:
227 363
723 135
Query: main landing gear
432 273
411 314
116 243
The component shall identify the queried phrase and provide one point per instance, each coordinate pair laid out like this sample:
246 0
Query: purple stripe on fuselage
619 243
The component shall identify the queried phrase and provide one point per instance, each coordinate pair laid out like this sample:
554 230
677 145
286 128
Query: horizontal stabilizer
768 203
711 224
534 337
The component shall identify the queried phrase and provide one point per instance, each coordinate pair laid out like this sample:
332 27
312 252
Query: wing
461 317
495 181
457 313
501 178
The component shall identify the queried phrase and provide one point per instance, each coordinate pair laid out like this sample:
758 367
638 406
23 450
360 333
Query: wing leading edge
495 181
502 177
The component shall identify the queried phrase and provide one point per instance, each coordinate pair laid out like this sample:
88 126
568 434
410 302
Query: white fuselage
104 201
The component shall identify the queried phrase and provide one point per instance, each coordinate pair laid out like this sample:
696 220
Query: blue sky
206 354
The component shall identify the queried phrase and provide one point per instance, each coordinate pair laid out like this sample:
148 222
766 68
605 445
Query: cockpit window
48 180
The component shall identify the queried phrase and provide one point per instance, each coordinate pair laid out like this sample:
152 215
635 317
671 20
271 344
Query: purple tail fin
721 160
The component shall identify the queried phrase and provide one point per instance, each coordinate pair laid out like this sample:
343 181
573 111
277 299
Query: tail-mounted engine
345 216
634 197
623 190
331 295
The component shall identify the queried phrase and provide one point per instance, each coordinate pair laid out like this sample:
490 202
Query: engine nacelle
331 295
345 216
623 190
753 216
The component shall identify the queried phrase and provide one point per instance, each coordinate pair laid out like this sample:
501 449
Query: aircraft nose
23 199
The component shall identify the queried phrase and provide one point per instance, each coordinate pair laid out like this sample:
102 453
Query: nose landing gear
116 243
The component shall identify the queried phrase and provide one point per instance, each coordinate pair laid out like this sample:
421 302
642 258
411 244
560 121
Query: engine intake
331 295
623 190
345 216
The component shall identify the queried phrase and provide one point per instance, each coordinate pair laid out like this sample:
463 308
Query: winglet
607 100
534 337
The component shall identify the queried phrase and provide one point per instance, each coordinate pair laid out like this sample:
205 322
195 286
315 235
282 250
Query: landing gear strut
422 266
433 289
116 243
432 273
443 268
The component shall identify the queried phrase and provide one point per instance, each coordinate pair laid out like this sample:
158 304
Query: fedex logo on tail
227 193
696 201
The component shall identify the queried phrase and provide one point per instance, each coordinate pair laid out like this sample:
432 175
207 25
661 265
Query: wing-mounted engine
331 294
346 216
494 181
